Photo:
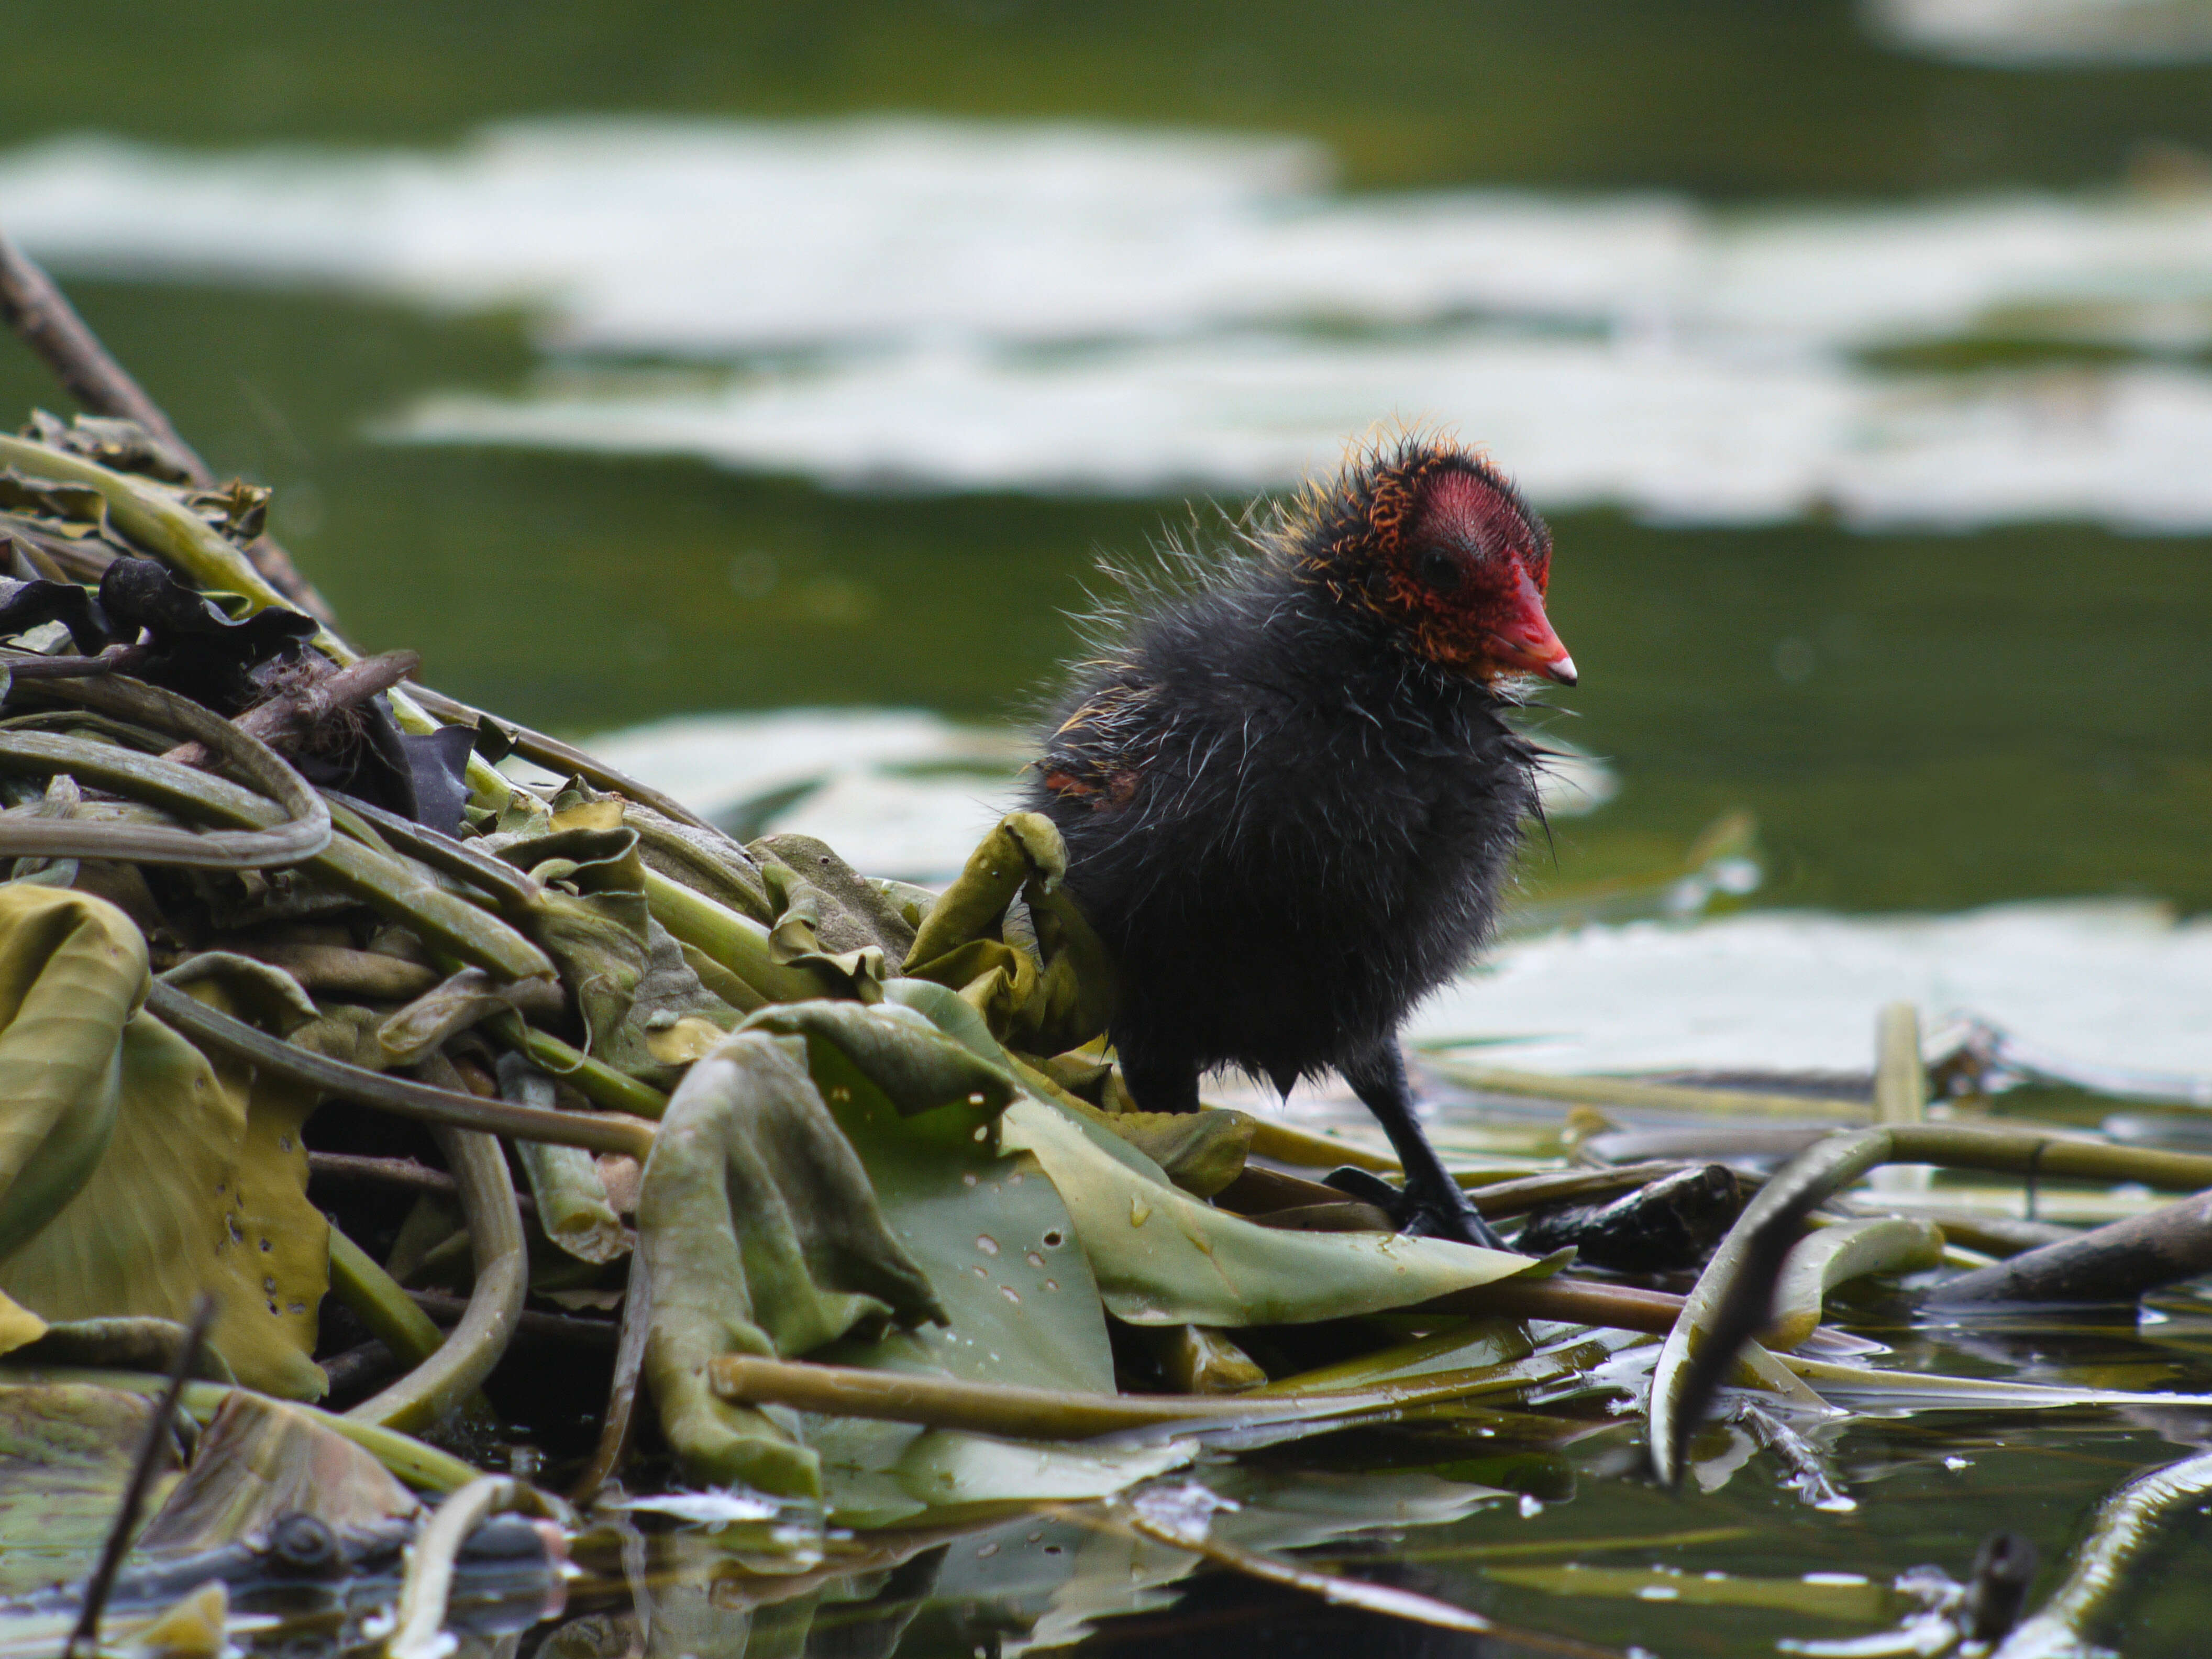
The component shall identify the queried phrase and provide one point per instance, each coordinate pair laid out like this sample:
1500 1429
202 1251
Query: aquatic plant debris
470 1108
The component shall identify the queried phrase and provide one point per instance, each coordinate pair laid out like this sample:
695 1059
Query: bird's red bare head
1431 538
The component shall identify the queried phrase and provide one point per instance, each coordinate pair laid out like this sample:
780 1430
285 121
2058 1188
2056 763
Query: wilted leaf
851 912
899 1052
1044 988
624 972
72 972
259 1460
203 1185
760 1235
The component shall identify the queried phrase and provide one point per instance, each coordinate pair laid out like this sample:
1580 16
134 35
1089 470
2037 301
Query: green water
2016 712
2010 714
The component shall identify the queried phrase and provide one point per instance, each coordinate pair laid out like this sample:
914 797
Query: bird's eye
1440 570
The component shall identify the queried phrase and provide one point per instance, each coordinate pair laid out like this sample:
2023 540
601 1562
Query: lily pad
1161 1257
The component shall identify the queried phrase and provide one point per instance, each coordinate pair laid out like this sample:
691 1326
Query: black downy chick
1290 792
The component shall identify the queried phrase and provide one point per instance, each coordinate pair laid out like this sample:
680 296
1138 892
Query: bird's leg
1161 1086
1432 1206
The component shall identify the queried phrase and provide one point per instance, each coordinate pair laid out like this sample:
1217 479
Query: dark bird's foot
1432 1206
1424 1215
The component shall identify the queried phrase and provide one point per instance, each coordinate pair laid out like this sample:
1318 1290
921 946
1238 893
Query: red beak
1525 641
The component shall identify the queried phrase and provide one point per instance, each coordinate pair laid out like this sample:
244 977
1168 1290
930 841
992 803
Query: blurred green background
1918 721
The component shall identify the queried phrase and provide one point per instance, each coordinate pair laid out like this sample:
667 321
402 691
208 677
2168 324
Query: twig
45 321
448 1309
1571 1301
1023 1413
87 1633
293 713
2115 1263
394 1172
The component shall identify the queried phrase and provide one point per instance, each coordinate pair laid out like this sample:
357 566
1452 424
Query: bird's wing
1098 754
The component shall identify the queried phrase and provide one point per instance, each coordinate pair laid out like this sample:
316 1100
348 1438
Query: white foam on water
2112 982
2020 34
1671 434
959 305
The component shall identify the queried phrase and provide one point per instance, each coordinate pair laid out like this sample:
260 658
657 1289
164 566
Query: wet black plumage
1289 790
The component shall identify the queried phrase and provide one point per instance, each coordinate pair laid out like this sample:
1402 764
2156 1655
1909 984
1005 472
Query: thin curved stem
296 839
388 883
304 831
419 1620
418 1101
473 1347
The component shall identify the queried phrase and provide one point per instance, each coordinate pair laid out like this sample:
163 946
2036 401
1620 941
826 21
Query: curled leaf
1039 975
760 1234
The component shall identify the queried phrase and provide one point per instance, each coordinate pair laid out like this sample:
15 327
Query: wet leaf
1043 987
259 1459
998 1247
65 1454
202 1186
1163 1258
760 1235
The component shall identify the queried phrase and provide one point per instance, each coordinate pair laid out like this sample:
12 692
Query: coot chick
1290 792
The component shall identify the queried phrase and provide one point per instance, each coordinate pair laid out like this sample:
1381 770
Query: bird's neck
1332 651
